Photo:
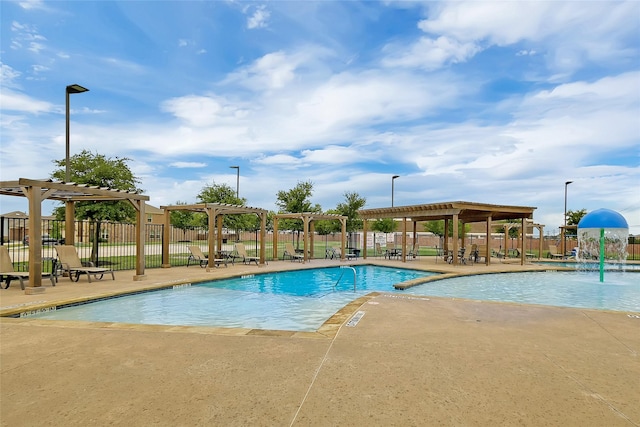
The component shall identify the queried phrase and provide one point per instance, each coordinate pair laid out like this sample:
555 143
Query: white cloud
188 164
429 53
560 26
14 101
8 76
259 18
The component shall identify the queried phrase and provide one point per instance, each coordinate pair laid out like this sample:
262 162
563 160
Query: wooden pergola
308 225
466 212
215 213
530 224
38 190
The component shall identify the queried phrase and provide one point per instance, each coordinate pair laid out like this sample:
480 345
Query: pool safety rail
342 274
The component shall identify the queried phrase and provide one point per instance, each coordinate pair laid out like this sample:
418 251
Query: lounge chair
338 254
553 252
378 251
290 252
242 253
71 263
198 256
414 252
7 272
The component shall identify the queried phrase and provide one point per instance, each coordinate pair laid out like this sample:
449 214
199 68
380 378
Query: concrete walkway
408 361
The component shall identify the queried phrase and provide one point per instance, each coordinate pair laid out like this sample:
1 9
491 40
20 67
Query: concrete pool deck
408 361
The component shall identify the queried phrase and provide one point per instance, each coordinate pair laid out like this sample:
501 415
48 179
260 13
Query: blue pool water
303 300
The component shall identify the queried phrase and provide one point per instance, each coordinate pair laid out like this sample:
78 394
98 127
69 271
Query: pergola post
364 239
275 237
404 239
523 231
455 238
69 222
312 234
445 240
263 236
487 258
34 194
540 229
305 238
140 238
166 237
343 222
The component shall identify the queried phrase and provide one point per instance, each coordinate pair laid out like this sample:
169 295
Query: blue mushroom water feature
603 234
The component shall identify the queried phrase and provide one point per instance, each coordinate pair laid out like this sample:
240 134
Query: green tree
573 218
384 225
223 193
437 228
296 200
353 202
183 220
328 226
98 170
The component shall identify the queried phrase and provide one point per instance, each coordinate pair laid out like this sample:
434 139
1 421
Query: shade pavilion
466 212
308 220
215 214
38 190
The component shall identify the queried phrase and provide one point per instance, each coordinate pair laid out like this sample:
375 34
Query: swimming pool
303 300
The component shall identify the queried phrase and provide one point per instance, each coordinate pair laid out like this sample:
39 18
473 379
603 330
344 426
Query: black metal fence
114 244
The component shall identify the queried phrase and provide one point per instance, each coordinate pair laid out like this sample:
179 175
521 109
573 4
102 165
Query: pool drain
355 319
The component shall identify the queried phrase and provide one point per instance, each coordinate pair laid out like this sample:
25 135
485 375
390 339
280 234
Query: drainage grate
355 319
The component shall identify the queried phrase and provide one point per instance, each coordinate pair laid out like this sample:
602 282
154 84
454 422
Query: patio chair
8 273
392 252
242 253
290 252
72 264
553 252
414 252
198 256
461 257
378 251
473 254
338 254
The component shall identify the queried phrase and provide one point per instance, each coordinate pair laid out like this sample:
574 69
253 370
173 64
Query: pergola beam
38 190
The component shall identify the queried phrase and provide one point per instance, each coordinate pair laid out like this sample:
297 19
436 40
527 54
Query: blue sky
493 102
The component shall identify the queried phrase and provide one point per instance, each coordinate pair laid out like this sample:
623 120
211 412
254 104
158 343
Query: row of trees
98 170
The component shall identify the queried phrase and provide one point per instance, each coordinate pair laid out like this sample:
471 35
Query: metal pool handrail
342 274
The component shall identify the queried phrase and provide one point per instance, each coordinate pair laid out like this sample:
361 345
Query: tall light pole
69 207
67 165
564 232
393 178
237 181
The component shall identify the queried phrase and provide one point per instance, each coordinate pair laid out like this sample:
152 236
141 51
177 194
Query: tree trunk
94 246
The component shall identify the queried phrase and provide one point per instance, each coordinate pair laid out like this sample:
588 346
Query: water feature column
604 232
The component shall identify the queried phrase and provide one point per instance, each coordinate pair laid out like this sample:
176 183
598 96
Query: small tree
183 219
296 200
437 228
353 202
223 193
99 170
573 218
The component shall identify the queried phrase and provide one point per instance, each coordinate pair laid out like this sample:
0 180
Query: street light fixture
393 178
75 88
564 232
237 181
